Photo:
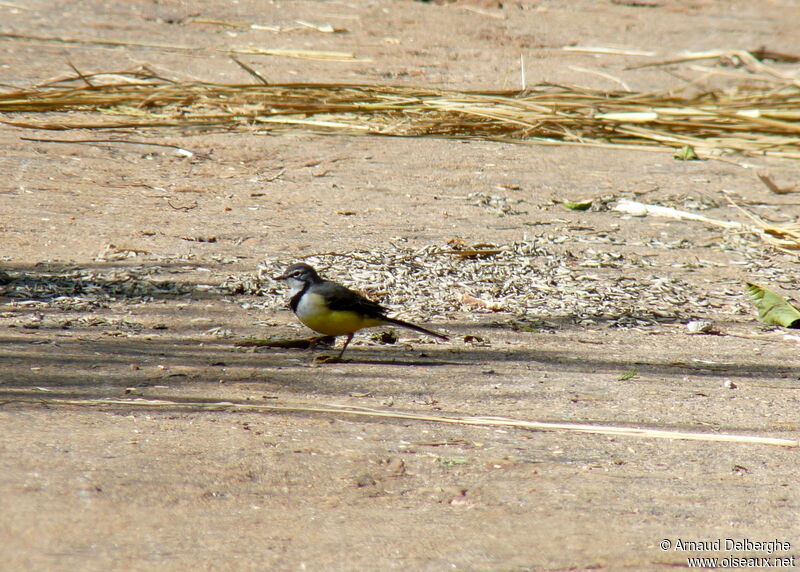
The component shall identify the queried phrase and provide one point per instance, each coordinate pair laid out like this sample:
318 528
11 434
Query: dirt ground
125 272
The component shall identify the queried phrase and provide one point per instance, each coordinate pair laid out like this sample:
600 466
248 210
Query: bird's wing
343 299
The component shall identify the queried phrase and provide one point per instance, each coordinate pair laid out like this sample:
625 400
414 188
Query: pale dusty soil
176 488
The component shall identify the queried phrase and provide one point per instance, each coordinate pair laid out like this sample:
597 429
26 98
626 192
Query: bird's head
299 275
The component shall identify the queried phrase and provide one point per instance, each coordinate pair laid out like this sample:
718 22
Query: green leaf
579 206
773 308
630 374
686 153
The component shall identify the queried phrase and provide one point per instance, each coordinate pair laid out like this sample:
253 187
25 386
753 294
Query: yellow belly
315 314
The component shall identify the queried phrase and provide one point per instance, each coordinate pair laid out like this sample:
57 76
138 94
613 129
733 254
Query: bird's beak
281 277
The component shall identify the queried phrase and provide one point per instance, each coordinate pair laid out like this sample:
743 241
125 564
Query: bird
334 310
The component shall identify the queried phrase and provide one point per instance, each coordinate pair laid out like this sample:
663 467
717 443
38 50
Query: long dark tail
414 327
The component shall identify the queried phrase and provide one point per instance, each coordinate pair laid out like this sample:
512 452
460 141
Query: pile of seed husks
535 282
521 279
82 289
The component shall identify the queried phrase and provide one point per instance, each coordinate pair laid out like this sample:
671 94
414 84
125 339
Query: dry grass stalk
783 237
748 60
751 120
376 413
108 43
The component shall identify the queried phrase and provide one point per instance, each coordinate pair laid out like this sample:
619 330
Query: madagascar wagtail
333 310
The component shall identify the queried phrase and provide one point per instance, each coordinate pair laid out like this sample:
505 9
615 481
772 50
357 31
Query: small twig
624 85
773 187
610 51
104 43
215 22
763 53
751 63
250 70
184 209
276 176
636 208
621 431
128 77
300 54
95 141
80 74
324 28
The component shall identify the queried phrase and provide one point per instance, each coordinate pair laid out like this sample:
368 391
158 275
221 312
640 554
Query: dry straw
756 120
783 237
339 410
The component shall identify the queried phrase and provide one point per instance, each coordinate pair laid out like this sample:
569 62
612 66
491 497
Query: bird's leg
346 342
326 358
